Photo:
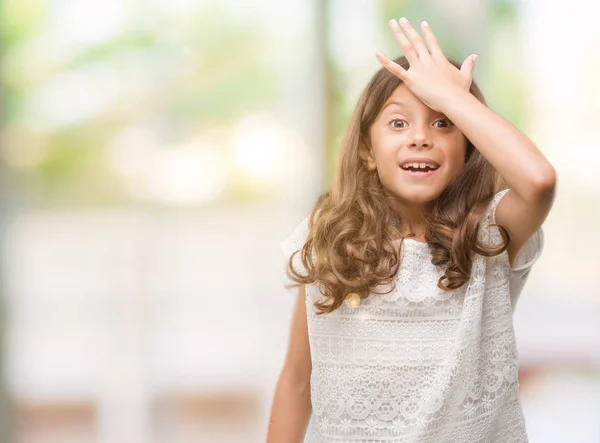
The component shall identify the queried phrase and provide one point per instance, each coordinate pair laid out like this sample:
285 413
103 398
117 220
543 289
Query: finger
391 66
432 42
467 69
408 49
468 66
415 39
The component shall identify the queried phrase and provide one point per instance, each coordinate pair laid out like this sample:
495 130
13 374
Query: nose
419 138
419 143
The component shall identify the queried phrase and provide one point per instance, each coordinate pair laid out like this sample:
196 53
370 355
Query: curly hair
352 245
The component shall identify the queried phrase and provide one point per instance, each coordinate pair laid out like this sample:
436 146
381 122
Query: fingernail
404 20
393 23
425 23
474 58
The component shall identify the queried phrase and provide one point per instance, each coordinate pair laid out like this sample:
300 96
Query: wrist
454 99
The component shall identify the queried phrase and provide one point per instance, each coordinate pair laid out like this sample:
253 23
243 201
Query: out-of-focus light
137 70
22 148
266 151
74 96
89 22
177 7
191 173
130 152
194 173
579 140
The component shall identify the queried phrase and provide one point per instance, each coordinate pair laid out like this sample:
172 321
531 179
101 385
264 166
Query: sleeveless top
421 364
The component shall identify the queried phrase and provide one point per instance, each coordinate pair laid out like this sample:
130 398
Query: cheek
387 167
387 162
455 156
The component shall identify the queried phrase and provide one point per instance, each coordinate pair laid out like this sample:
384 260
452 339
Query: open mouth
419 172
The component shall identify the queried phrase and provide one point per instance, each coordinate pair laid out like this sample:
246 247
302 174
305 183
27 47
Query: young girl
409 269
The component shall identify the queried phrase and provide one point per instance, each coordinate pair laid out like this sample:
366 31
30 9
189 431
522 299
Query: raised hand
431 77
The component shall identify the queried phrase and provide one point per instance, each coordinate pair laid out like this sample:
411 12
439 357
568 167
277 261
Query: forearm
290 412
510 152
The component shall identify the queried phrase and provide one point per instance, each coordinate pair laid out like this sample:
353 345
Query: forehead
403 98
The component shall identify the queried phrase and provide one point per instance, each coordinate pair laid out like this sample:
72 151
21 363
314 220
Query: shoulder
296 238
521 253
490 212
522 215
293 243
489 234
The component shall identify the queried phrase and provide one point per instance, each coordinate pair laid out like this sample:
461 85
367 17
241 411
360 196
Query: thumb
469 65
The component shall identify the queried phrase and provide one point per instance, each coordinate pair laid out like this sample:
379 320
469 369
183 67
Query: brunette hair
352 242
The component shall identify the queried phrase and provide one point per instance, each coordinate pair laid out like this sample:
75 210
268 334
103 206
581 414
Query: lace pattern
421 364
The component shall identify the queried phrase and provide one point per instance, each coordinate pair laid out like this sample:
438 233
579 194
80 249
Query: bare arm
291 409
530 177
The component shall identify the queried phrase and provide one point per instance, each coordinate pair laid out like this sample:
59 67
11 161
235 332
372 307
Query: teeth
418 165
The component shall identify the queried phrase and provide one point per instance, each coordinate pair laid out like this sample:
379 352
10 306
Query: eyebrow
402 104
394 103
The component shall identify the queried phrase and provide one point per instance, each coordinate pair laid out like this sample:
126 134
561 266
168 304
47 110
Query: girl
409 269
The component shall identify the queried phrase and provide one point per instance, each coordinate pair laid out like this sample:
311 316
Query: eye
396 120
447 121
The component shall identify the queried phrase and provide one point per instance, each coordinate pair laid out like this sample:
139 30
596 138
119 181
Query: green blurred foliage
19 19
207 72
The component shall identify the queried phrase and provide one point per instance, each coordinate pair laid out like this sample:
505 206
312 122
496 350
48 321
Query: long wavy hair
352 245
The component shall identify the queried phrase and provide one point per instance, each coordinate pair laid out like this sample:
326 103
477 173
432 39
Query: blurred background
155 153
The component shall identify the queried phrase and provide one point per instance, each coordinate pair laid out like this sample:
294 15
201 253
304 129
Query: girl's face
406 128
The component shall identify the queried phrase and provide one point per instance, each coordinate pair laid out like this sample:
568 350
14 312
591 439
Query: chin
419 199
417 196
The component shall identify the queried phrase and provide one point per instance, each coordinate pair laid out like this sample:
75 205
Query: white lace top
420 364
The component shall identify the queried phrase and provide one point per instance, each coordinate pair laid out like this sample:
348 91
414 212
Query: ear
365 152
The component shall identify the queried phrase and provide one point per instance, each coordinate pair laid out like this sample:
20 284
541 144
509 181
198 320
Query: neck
412 221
